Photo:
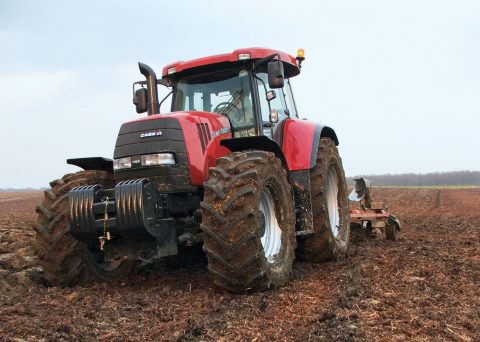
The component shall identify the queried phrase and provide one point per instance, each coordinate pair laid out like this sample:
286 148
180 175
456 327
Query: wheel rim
332 201
271 234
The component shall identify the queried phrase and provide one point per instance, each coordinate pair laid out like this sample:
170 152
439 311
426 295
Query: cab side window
287 91
277 105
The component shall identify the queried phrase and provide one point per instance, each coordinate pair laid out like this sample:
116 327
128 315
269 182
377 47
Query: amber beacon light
300 57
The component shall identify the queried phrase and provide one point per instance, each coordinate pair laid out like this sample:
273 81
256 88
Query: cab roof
237 57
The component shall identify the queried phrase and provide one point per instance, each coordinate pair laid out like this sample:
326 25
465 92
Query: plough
373 216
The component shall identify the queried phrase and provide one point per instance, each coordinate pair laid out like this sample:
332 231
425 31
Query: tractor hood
192 137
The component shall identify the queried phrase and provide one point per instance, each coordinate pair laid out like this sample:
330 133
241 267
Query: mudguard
300 142
260 142
93 163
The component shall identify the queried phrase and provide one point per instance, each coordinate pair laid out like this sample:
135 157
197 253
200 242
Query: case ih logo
150 134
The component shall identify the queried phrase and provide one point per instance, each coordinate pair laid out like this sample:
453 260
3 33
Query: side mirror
275 74
140 100
273 116
271 95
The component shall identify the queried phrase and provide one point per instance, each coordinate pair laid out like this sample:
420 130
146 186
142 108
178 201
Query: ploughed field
426 286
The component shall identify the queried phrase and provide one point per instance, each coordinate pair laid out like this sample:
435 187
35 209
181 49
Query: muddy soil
423 287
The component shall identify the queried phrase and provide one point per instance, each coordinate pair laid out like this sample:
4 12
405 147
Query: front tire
248 222
330 207
65 260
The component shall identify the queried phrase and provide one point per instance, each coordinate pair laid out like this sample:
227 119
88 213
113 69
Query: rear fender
300 143
300 140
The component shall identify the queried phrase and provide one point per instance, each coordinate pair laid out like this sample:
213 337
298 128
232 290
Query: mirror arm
264 60
135 83
165 82
170 93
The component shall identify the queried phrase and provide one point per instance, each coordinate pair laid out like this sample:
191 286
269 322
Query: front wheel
330 207
65 260
249 222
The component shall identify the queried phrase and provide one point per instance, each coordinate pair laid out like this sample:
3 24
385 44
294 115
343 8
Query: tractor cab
250 87
244 96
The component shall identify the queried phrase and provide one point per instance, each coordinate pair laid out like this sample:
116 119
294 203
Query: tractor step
304 232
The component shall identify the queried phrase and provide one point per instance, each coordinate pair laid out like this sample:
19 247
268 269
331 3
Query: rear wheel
330 207
65 260
248 222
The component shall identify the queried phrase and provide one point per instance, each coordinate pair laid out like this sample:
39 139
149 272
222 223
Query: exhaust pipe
153 105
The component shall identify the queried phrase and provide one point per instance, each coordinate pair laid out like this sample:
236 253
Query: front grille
129 142
204 135
175 178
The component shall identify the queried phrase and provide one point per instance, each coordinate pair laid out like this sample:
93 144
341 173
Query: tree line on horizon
454 178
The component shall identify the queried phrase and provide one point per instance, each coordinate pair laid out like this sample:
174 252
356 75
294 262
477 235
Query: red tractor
232 166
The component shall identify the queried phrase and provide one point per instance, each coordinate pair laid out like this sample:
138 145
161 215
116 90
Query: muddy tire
65 260
248 222
331 218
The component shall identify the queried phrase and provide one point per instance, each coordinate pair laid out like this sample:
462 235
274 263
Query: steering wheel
222 105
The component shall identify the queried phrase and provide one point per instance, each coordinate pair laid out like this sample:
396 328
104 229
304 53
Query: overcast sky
399 81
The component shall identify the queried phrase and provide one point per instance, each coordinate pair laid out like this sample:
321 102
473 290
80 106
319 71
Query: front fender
255 143
93 163
300 142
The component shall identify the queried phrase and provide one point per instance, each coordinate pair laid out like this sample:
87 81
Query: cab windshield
226 92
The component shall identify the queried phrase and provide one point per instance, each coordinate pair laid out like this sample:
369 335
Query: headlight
158 159
122 163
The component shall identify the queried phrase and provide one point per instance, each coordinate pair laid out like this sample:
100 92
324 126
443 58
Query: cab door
275 108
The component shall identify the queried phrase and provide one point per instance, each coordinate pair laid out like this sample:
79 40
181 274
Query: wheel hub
270 232
332 201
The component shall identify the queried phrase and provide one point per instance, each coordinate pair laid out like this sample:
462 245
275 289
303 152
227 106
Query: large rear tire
330 207
65 260
249 222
